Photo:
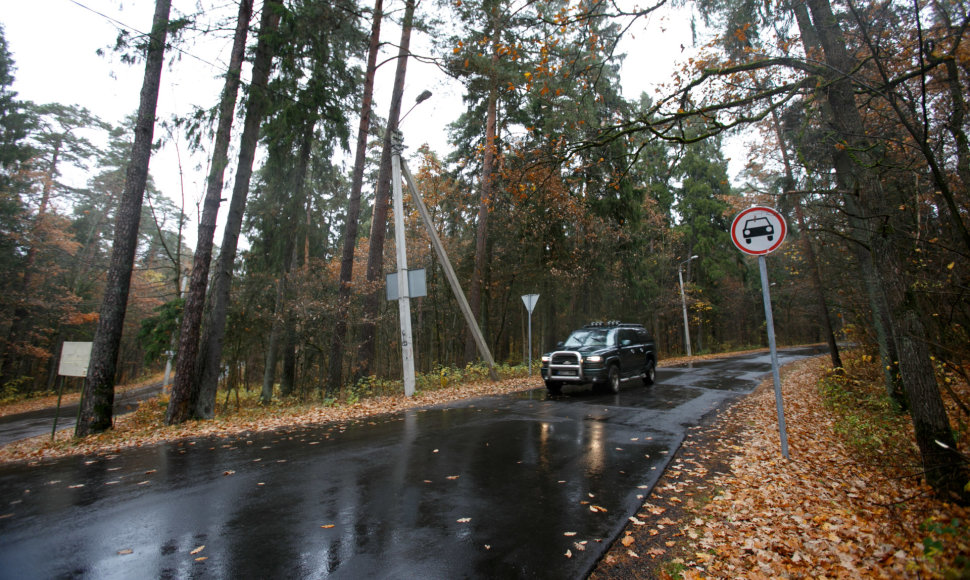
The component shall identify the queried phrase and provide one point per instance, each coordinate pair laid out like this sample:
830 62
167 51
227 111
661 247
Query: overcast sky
54 44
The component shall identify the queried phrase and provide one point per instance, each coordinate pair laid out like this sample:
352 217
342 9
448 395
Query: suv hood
584 350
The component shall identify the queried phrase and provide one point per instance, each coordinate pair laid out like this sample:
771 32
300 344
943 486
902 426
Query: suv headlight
545 358
593 358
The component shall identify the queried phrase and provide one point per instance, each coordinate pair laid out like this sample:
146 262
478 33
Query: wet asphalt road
40 422
499 487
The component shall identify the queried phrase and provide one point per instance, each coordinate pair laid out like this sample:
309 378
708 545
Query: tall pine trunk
98 395
186 404
378 232
186 381
335 377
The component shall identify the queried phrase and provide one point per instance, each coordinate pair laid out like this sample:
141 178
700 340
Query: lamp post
683 300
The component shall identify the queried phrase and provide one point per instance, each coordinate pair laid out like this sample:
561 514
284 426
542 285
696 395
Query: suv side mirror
560 344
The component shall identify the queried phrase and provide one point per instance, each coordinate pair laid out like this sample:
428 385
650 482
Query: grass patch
865 416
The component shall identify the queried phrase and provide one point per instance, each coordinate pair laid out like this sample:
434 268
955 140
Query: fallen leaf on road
627 541
327 526
125 552
464 520
197 550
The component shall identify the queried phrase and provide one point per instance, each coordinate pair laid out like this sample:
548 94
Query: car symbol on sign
758 227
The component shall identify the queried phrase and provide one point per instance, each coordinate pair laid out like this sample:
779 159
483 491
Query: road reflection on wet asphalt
517 486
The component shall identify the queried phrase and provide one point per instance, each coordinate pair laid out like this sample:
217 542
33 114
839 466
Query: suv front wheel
614 379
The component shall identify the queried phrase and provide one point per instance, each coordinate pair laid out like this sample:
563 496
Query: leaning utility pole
439 251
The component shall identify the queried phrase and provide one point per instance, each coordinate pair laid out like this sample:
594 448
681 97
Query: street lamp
424 96
683 300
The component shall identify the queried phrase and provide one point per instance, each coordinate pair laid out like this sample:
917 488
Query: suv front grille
566 358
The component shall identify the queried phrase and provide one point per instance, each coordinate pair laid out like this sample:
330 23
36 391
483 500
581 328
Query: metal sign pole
530 343
780 408
758 231
530 303
404 298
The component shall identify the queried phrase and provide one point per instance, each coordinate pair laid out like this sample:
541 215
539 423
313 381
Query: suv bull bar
570 367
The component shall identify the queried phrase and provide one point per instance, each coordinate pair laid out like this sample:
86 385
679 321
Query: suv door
633 355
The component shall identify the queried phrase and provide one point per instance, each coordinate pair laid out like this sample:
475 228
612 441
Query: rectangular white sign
74 359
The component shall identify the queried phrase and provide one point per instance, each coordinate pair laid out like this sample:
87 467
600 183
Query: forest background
554 183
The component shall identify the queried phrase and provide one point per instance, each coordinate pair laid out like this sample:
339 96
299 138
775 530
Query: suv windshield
591 337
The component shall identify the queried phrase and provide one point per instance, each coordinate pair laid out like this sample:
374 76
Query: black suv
604 354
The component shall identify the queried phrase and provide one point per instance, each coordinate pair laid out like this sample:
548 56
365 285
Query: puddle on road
732 385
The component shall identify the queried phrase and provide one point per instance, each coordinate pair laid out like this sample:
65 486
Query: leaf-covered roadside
730 506
146 426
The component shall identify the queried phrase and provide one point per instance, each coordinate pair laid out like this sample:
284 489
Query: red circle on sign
758 230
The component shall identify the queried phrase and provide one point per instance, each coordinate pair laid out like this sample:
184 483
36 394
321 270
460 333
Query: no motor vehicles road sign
758 230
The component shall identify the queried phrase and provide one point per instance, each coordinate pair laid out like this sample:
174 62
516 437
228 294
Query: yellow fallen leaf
327 526
125 552
627 541
201 558
464 520
197 550
569 534
569 553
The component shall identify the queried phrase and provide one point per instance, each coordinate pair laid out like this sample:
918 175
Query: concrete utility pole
403 292
683 301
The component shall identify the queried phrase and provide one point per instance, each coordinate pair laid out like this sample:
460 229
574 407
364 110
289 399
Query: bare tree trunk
481 232
288 371
283 319
98 394
823 309
182 407
272 349
378 232
186 381
943 466
335 377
